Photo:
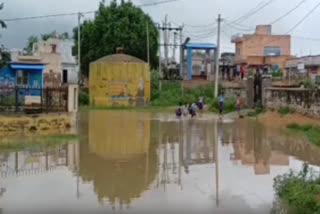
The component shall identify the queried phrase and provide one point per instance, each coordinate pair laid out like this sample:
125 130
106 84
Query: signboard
301 66
117 89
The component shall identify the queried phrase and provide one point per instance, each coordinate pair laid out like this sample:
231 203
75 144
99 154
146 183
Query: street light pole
217 58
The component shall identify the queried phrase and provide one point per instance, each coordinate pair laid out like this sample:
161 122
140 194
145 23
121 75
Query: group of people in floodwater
192 109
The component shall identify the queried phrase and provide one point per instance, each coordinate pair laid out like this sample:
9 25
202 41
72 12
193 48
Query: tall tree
31 41
2 23
4 54
117 25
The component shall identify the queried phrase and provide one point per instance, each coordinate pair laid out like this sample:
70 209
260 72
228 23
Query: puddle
143 162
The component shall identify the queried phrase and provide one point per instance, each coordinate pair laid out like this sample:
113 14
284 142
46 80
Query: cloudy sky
197 16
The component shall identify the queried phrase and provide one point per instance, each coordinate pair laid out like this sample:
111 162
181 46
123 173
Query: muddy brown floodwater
144 162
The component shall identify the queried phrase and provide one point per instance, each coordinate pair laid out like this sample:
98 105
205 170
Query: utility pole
160 64
165 38
174 45
148 44
217 58
181 53
79 47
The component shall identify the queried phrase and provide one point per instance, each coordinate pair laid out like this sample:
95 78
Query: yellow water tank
119 80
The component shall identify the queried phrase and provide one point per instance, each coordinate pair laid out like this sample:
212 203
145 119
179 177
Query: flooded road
143 162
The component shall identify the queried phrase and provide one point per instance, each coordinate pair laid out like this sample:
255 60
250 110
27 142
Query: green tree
5 57
2 23
54 34
30 42
4 54
116 25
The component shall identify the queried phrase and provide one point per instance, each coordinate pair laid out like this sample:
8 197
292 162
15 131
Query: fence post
67 100
41 99
16 98
47 100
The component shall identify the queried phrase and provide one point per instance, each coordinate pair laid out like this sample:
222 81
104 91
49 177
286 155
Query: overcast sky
189 12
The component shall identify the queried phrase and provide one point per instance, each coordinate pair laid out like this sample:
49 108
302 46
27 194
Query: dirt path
275 120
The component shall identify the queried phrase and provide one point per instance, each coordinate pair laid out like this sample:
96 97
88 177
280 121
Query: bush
299 190
171 93
277 73
258 110
229 105
308 83
286 110
83 98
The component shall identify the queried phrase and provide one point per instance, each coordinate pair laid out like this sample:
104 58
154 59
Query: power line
304 18
253 11
288 13
306 38
73 14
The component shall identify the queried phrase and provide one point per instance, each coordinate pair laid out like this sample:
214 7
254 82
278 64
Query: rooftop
202 46
120 58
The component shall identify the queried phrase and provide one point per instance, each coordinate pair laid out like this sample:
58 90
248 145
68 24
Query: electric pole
165 38
148 44
217 58
174 46
79 47
181 53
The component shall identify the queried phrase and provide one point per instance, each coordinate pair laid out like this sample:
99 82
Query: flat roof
27 66
201 45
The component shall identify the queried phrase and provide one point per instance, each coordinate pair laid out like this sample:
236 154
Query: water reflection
119 158
142 162
260 147
38 160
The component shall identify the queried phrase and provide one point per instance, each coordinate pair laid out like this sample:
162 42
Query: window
267 30
22 78
65 76
54 48
272 51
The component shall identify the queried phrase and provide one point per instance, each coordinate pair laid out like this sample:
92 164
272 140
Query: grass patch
258 110
229 106
17 144
301 190
171 94
285 110
312 132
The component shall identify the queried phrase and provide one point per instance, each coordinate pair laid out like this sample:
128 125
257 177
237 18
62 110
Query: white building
61 65
69 63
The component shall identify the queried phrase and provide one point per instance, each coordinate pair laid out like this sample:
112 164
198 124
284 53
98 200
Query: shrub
83 98
308 83
258 110
229 105
171 93
286 110
299 190
277 73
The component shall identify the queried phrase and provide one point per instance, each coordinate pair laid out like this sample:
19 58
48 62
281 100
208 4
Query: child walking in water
221 103
186 110
179 110
238 105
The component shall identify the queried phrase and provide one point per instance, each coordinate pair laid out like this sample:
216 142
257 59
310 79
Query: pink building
263 48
